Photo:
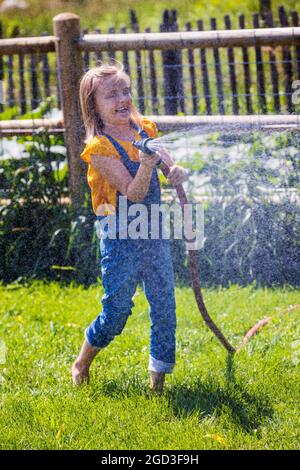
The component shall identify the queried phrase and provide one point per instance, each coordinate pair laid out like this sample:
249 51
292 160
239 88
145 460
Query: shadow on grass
210 397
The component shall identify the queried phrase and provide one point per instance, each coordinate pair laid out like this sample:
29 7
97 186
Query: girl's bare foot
80 368
157 380
80 374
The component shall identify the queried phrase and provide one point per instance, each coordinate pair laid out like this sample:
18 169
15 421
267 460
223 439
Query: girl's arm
119 177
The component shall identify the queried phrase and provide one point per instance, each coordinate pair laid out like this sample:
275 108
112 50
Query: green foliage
36 20
249 237
38 113
41 110
36 176
39 233
9 113
251 222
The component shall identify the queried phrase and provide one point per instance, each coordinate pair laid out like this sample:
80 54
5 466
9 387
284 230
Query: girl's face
113 100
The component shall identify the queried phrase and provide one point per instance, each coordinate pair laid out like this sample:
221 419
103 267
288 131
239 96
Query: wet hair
89 83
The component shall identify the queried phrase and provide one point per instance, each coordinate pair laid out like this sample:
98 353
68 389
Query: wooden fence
185 68
172 82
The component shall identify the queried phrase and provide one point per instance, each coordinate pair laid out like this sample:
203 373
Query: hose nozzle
143 145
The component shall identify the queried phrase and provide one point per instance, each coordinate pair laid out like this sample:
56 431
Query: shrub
251 220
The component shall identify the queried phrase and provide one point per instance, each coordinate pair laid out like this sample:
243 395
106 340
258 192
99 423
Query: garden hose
143 146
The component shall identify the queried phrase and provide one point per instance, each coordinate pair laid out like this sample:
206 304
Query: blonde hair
89 83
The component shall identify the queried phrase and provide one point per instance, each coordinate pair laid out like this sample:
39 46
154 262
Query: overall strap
122 152
141 131
153 196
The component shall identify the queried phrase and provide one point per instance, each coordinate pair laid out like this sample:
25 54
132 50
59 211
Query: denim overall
125 262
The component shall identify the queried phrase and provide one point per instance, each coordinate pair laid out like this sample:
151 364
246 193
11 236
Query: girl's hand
165 156
149 161
177 175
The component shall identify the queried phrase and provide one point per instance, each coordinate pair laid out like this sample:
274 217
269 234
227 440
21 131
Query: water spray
149 147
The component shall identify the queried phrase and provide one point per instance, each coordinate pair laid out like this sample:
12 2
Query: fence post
70 69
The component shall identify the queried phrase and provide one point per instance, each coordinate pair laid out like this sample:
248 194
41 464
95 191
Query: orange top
102 192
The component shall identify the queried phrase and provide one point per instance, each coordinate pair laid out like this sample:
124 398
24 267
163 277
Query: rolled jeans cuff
90 343
160 366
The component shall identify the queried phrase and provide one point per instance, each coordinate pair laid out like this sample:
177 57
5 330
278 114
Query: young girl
116 169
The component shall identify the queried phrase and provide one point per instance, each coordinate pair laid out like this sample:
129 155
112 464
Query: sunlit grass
210 401
37 19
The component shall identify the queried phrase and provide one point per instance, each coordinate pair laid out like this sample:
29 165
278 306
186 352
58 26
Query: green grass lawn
210 401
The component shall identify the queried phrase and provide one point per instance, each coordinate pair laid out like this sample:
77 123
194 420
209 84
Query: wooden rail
27 45
191 40
263 122
30 126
